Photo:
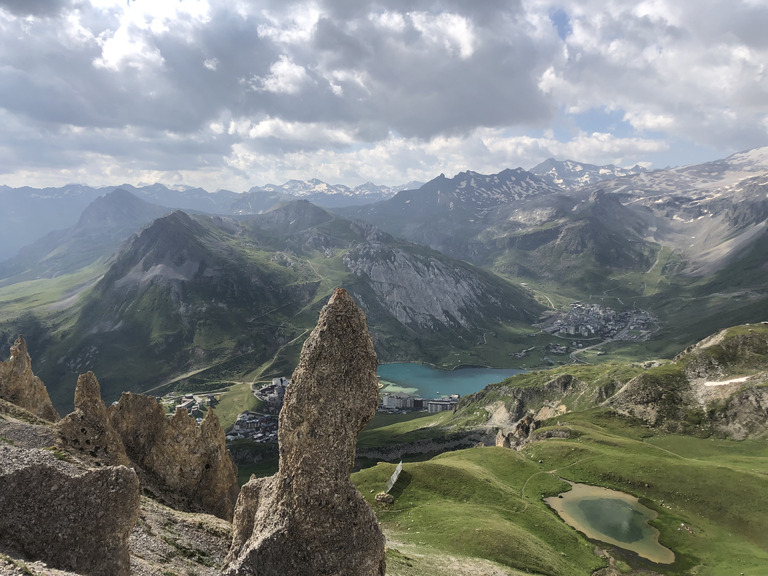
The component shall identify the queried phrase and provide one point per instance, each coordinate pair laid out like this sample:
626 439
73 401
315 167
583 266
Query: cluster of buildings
593 320
402 402
253 426
262 427
273 395
192 404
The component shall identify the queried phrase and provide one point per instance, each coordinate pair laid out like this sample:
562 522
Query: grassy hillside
486 503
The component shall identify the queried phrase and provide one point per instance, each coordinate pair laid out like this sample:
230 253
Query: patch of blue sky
561 22
603 120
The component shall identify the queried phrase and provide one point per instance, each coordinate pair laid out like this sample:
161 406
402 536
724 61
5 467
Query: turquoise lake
427 382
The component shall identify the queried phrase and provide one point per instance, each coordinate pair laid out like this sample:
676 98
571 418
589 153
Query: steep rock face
745 415
19 385
88 428
429 291
72 518
516 403
309 518
183 463
658 397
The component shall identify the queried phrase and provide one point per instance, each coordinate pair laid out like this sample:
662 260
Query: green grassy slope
487 502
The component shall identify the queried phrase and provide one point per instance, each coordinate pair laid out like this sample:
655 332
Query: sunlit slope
487 502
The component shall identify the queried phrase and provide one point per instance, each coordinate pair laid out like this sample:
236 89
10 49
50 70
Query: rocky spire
309 518
21 387
88 428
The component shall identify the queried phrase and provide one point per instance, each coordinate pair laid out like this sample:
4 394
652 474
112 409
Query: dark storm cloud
415 85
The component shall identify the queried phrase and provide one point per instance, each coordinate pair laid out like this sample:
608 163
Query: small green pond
612 517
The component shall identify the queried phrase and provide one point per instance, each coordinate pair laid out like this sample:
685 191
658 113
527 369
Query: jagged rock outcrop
521 431
72 518
183 464
88 428
715 386
503 440
309 518
745 415
19 385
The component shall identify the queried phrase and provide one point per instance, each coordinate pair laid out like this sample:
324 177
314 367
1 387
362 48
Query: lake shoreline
586 507
423 380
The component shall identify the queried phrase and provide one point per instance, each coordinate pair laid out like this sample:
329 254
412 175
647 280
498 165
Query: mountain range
32 213
671 240
190 292
456 271
510 269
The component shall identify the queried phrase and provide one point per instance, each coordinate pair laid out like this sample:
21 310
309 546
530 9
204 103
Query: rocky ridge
426 292
70 493
181 463
719 385
570 175
309 518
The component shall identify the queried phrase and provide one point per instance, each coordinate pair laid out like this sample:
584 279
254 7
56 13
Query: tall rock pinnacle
20 386
88 428
309 518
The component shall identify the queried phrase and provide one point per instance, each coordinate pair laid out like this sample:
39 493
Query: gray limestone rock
88 429
70 517
309 519
21 387
186 465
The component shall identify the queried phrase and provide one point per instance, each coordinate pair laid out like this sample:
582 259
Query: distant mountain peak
569 175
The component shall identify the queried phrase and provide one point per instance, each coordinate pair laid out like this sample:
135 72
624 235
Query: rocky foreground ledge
65 514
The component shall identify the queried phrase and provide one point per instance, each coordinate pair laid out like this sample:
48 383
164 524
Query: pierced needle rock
309 518
20 386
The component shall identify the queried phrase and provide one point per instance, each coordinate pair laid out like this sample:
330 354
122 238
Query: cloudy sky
236 93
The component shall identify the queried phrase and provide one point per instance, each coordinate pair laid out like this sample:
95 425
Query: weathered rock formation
72 518
716 386
183 464
309 518
88 428
19 385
